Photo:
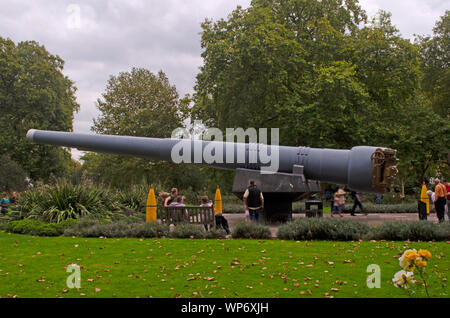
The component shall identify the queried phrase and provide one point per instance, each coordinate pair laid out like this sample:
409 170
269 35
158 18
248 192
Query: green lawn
35 267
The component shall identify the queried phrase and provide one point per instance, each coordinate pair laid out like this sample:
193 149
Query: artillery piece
300 169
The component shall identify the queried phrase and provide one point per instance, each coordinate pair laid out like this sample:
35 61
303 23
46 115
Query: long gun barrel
363 168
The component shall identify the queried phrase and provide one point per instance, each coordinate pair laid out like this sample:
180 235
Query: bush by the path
410 231
196 231
348 230
323 229
250 230
38 228
97 228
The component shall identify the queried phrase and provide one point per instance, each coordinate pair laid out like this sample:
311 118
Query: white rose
403 279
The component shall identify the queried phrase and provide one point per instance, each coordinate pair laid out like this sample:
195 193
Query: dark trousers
440 208
356 204
422 207
254 215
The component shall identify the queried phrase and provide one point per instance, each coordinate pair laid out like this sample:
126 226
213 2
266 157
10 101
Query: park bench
186 214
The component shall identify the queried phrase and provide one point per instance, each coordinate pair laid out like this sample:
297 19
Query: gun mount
300 169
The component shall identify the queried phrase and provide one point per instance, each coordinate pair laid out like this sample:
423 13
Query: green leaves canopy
34 93
321 72
136 103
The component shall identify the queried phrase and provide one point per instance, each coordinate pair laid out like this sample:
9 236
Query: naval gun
299 169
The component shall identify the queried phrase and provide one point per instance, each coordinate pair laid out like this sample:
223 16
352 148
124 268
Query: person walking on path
356 196
440 194
253 201
339 201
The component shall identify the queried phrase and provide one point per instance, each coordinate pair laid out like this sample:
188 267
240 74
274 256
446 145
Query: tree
136 103
323 73
435 52
34 93
13 177
307 67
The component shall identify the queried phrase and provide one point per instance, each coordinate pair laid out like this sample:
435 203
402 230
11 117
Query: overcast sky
100 38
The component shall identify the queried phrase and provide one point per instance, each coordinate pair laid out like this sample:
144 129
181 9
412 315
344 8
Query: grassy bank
35 267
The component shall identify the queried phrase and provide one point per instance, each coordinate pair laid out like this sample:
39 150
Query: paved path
371 219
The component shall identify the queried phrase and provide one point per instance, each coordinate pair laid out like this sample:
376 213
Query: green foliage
410 231
435 53
38 228
188 231
34 93
352 80
250 230
99 228
136 103
65 201
323 229
134 197
12 175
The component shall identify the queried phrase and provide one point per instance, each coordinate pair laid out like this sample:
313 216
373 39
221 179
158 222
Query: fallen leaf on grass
334 289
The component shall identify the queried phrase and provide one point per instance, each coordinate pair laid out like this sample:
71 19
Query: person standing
4 202
13 199
206 214
447 187
253 201
356 196
440 194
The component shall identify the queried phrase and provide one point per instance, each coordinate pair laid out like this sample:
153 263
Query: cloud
409 16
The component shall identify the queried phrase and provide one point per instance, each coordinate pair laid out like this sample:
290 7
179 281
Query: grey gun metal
300 169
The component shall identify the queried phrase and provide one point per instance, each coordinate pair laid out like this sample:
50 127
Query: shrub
38 228
412 231
216 233
250 230
132 199
97 228
188 231
323 229
65 201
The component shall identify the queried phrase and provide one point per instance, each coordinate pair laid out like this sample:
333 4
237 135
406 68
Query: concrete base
280 190
277 208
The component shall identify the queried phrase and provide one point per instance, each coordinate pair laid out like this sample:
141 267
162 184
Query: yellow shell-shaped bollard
218 202
150 211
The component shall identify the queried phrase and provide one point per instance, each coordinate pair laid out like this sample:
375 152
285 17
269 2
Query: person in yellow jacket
440 194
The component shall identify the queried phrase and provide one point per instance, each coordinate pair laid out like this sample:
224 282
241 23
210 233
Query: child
339 201
206 203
